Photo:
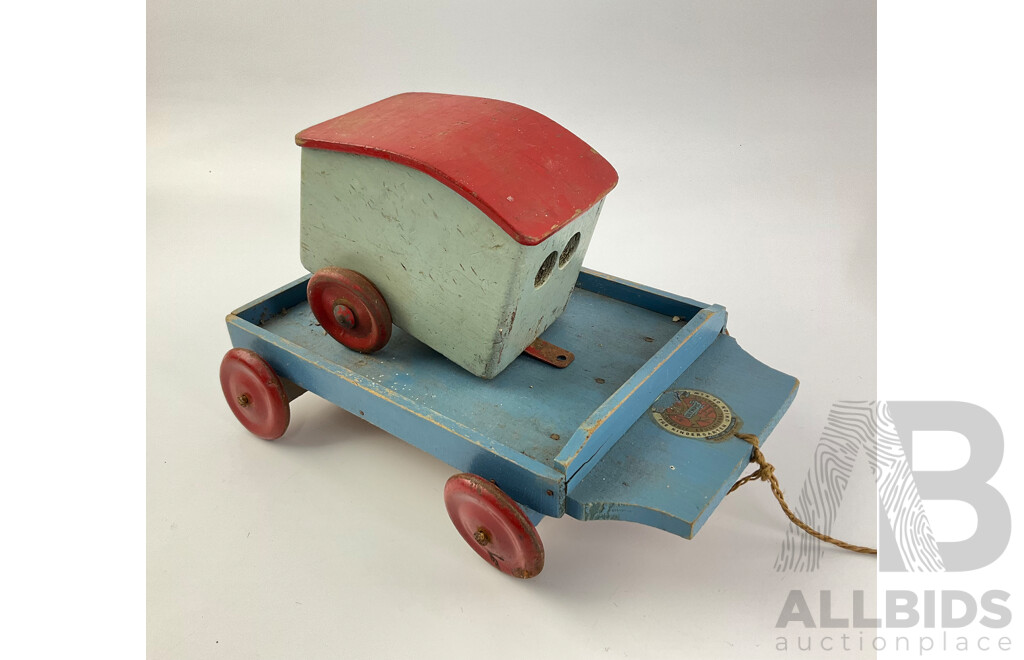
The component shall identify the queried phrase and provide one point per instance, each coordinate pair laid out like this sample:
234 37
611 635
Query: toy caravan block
471 217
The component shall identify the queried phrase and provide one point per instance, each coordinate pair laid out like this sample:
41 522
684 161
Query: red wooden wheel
494 525
350 308
254 393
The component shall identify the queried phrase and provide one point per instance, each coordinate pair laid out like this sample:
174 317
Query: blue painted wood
534 516
513 428
640 295
606 424
656 478
461 446
265 307
518 421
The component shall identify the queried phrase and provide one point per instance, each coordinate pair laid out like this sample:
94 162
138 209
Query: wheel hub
482 536
493 525
254 393
344 316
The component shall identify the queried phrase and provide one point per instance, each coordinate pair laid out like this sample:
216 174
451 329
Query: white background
333 542
744 140
949 257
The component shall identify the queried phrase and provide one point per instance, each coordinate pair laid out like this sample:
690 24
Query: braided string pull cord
766 472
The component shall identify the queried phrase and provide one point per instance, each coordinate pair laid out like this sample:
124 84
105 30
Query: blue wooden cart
447 233
640 427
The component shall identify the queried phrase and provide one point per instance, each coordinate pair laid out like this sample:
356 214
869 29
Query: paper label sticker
695 414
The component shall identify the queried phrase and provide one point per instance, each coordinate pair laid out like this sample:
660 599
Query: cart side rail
640 295
536 485
606 424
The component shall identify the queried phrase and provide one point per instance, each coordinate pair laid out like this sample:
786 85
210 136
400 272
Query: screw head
482 536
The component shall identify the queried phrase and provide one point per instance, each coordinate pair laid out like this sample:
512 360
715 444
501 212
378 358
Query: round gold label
694 414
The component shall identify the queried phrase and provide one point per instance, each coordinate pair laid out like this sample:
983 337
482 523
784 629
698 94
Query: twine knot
766 472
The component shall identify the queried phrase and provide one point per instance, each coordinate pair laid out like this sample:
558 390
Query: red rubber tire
494 526
254 393
368 314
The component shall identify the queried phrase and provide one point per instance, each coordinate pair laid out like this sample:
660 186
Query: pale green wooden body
451 277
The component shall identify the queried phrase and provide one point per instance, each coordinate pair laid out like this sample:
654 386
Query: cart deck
580 440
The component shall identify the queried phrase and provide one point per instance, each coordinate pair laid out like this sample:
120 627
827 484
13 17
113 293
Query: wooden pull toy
444 235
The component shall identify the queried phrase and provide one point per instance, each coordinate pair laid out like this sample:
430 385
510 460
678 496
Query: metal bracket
549 353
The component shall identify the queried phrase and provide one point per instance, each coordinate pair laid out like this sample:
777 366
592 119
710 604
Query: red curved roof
528 174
